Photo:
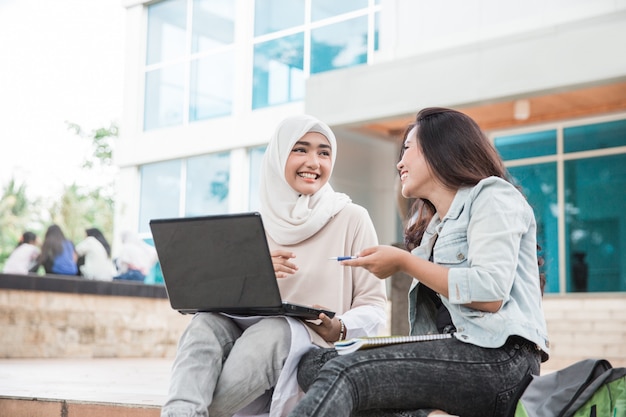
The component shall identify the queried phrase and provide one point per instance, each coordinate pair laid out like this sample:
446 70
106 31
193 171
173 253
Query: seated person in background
135 259
96 252
24 256
57 253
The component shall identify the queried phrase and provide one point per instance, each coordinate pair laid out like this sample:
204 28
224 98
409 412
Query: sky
59 61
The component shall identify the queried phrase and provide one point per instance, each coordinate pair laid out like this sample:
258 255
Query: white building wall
363 170
417 27
554 57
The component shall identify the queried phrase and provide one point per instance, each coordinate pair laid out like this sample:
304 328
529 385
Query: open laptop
221 263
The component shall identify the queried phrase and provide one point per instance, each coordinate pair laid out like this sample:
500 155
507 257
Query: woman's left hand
283 267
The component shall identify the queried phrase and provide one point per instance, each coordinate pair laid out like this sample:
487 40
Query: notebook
221 263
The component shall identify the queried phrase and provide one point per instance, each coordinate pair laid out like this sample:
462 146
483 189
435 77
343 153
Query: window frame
560 158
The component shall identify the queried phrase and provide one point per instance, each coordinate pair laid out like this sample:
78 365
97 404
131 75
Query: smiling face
415 174
309 163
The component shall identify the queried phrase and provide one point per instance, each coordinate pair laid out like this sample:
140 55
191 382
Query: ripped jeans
412 379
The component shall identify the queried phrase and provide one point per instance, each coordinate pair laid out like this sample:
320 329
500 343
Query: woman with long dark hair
95 253
57 253
473 255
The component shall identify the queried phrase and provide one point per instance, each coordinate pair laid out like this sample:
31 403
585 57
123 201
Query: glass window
278 71
171 43
596 136
376 31
595 223
207 184
539 185
213 24
321 9
274 15
339 45
164 97
159 193
526 145
255 157
211 86
594 193
167 24
280 59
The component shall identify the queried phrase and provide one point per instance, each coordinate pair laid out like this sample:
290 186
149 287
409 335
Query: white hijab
289 217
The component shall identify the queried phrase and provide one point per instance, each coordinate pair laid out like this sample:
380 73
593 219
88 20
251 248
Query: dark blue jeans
412 379
130 275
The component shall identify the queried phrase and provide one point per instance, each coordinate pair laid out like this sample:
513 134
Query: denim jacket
488 240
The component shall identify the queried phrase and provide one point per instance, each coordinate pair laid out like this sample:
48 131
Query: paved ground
141 382
122 381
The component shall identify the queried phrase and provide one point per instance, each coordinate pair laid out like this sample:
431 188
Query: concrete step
83 387
37 407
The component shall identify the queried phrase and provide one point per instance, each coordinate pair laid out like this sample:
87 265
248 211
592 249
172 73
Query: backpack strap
591 371
553 394
606 377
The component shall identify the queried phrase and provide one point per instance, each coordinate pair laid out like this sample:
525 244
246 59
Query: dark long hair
458 154
52 244
95 232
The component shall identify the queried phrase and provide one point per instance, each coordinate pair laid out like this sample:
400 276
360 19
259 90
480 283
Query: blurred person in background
135 259
57 253
24 256
95 252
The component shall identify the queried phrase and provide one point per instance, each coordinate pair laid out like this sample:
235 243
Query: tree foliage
101 141
76 209
79 208
17 213
83 207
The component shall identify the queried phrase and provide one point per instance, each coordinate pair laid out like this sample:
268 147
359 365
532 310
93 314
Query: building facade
208 80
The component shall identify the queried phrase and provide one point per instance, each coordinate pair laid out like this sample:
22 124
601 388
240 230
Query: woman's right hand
282 266
382 261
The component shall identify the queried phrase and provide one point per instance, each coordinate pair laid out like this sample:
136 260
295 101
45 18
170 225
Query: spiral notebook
344 347
221 263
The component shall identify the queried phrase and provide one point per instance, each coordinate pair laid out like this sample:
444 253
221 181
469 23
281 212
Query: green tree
83 207
101 141
17 214
78 207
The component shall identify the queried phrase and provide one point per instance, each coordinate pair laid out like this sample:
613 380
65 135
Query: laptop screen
216 262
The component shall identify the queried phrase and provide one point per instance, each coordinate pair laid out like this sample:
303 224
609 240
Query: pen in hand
342 258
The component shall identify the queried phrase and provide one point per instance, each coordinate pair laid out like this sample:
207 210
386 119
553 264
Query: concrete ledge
69 317
78 285
137 382
29 407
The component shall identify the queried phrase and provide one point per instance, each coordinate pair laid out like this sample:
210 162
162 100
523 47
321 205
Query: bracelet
342 331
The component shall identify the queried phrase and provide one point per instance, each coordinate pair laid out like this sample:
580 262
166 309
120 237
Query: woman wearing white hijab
247 366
